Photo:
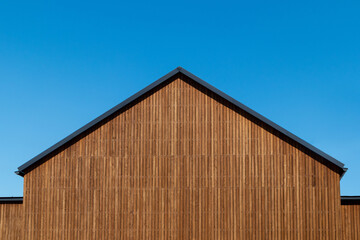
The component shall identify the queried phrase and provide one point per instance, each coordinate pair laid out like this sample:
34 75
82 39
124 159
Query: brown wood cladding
11 221
350 216
182 164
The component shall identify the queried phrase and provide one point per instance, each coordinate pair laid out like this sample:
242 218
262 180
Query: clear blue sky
63 63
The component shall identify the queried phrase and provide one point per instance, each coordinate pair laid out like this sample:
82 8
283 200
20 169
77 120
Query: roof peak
26 167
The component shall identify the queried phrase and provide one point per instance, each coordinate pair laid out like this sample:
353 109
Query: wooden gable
182 162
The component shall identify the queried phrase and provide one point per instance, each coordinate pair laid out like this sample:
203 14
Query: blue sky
63 63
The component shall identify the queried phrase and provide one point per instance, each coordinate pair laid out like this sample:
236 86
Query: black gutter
350 200
23 168
14 200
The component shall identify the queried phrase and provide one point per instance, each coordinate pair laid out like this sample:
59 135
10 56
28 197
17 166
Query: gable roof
23 169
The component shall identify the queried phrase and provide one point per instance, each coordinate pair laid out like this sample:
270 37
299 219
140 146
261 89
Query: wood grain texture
11 221
350 218
182 163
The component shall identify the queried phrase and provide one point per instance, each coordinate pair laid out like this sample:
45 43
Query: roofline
22 170
266 120
11 200
350 200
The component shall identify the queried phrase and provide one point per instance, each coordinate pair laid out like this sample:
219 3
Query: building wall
182 164
350 217
11 221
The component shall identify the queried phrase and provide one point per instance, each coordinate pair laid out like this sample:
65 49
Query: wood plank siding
350 217
182 163
11 221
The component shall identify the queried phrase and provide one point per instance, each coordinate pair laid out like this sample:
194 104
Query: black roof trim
23 168
11 200
350 200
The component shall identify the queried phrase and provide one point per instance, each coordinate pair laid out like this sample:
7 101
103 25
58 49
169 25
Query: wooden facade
350 217
181 162
11 221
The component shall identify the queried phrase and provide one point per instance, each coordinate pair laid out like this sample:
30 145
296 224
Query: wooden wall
182 164
11 221
350 216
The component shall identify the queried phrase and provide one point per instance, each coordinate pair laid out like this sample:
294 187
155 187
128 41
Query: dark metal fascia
265 120
22 169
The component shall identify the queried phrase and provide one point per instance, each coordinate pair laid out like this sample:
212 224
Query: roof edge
22 170
265 120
